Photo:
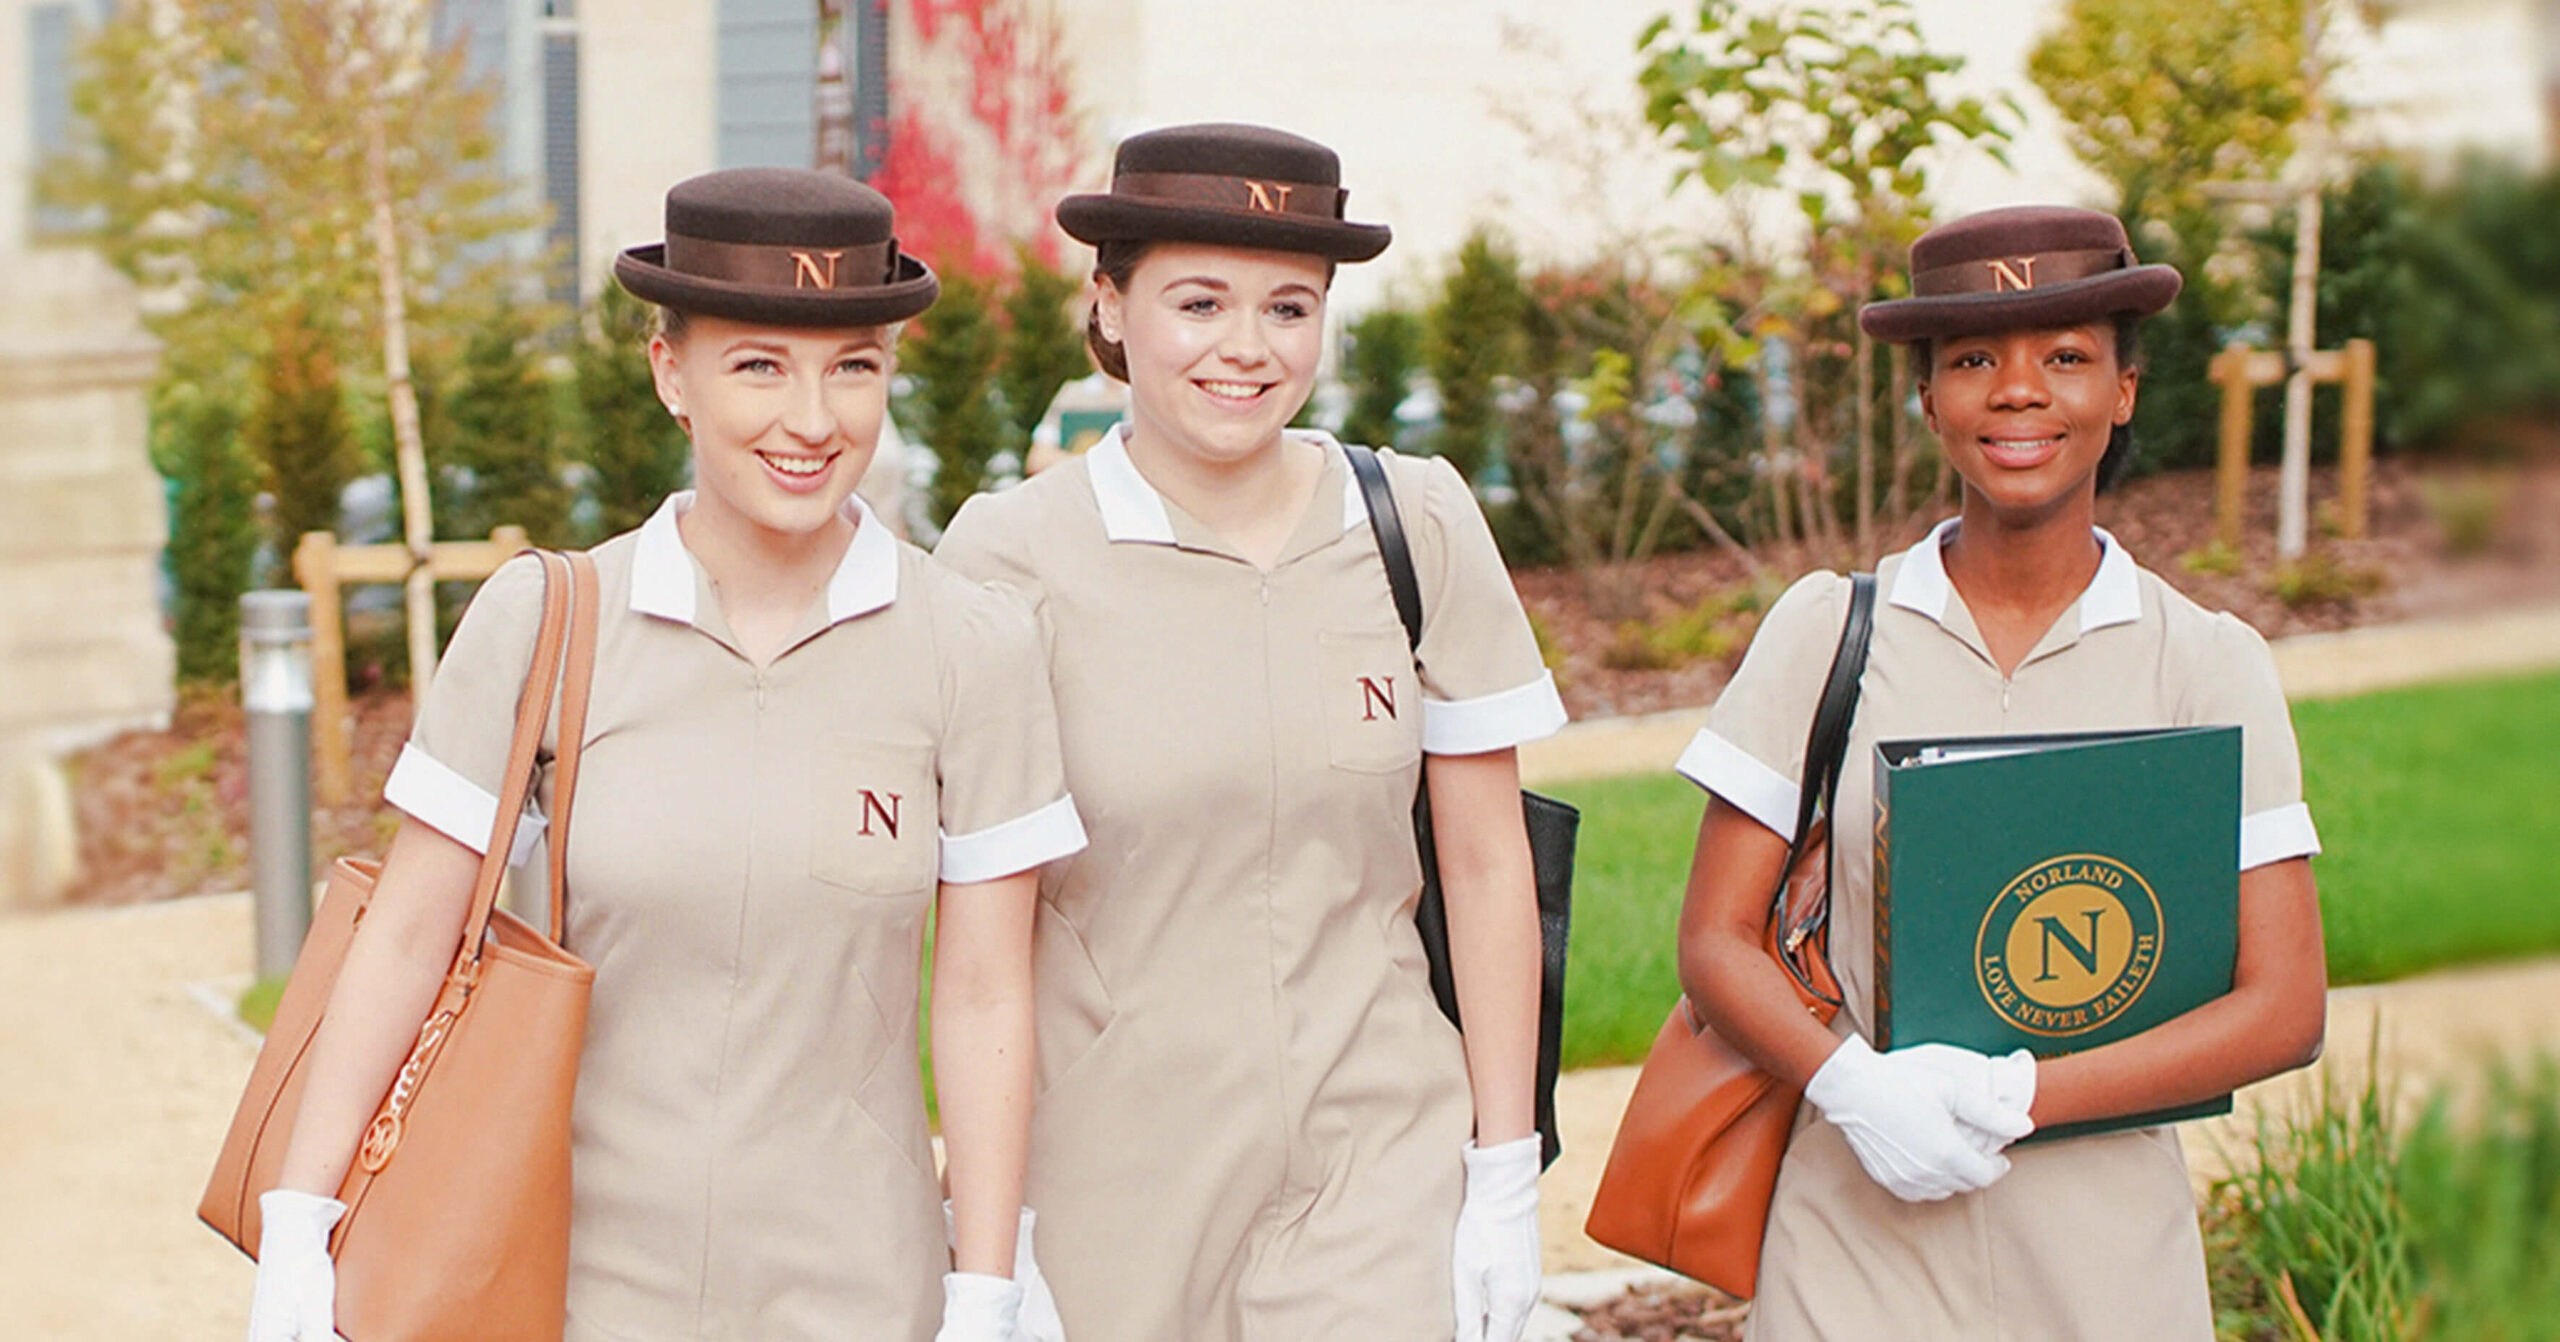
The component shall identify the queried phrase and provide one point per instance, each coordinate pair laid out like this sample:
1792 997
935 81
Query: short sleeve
453 767
2235 682
1484 685
1751 752
1005 807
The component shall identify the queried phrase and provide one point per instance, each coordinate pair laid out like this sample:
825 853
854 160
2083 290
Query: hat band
1244 195
771 266
2010 274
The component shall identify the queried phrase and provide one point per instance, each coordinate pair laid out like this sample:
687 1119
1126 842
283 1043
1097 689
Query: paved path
116 1078
2312 666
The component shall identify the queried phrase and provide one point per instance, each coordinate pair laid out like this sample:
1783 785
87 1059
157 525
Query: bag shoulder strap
1825 754
1388 525
533 709
577 679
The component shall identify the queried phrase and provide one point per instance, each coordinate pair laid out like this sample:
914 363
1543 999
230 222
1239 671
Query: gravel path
120 1077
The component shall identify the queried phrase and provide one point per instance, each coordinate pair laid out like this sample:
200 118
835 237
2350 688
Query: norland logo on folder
2055 893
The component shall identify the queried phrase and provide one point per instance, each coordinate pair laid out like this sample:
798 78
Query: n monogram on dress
883 814
1377 693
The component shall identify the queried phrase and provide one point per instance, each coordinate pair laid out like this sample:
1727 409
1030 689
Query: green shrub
499 456
636 449
213 525
2213 557
1380 353
2467 510
2320 577
1043 343
301 431
950 356
2357 1225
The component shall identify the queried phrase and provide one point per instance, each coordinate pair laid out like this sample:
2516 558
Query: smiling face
1222 344
784 421
2025 416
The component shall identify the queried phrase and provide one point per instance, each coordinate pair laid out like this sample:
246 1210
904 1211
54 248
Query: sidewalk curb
2311 666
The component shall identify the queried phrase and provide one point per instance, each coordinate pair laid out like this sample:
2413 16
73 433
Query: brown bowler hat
2022 267
780 247
1230 185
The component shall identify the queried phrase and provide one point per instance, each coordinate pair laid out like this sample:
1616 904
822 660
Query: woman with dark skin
1901 1209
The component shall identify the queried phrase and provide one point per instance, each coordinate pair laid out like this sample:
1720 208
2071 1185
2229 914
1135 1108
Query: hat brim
2140 291
643 271
1094 219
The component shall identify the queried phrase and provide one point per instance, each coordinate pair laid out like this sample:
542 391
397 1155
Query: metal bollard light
275 689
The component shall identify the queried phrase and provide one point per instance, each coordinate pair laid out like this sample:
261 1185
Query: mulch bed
2406 561
1665 1314
165 814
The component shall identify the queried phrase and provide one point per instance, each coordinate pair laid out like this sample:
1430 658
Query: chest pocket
1371 700
874 826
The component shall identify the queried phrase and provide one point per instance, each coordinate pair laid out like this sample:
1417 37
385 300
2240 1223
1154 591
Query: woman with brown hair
1254 1123
1902 1209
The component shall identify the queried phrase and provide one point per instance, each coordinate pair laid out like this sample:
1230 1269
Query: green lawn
2439 808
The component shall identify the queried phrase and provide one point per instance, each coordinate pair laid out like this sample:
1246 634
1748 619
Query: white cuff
1493 721
456 807
1738 776
2273 836
1017 845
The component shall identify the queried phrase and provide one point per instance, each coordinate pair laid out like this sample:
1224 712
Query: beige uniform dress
751 859
2086 1239
1251 1114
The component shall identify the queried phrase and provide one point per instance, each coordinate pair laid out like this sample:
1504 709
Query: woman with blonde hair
804 738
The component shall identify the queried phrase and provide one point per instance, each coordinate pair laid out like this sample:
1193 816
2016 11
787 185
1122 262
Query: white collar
865 580
2113 596
1132 510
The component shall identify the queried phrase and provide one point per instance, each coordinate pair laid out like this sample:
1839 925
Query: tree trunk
417 522
1898 428
1866 424
1773 456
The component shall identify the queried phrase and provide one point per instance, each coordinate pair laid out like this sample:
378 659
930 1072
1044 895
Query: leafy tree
300 430
220 152
2162 96
1379 353
501 450
1043 342
1471 342
950 356
636 449
213 524
1838 109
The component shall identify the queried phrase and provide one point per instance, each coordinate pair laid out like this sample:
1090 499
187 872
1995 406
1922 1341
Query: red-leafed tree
985 134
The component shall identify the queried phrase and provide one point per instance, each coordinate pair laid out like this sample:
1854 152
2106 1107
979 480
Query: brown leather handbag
1696 1159
457 1223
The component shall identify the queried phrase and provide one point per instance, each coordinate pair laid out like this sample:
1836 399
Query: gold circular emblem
2069 945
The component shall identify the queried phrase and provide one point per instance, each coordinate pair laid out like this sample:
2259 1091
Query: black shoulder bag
1551 824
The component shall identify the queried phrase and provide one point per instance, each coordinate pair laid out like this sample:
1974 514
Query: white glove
2009 1080
297 1291
978 1308
1038 1320
1905 1119
1494 1262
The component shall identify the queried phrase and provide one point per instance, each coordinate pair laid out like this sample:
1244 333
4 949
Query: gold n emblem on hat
1260 195
806 274
2015 273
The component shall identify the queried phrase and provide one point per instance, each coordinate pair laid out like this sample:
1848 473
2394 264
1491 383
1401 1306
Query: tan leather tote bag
1696 1159
457 1224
